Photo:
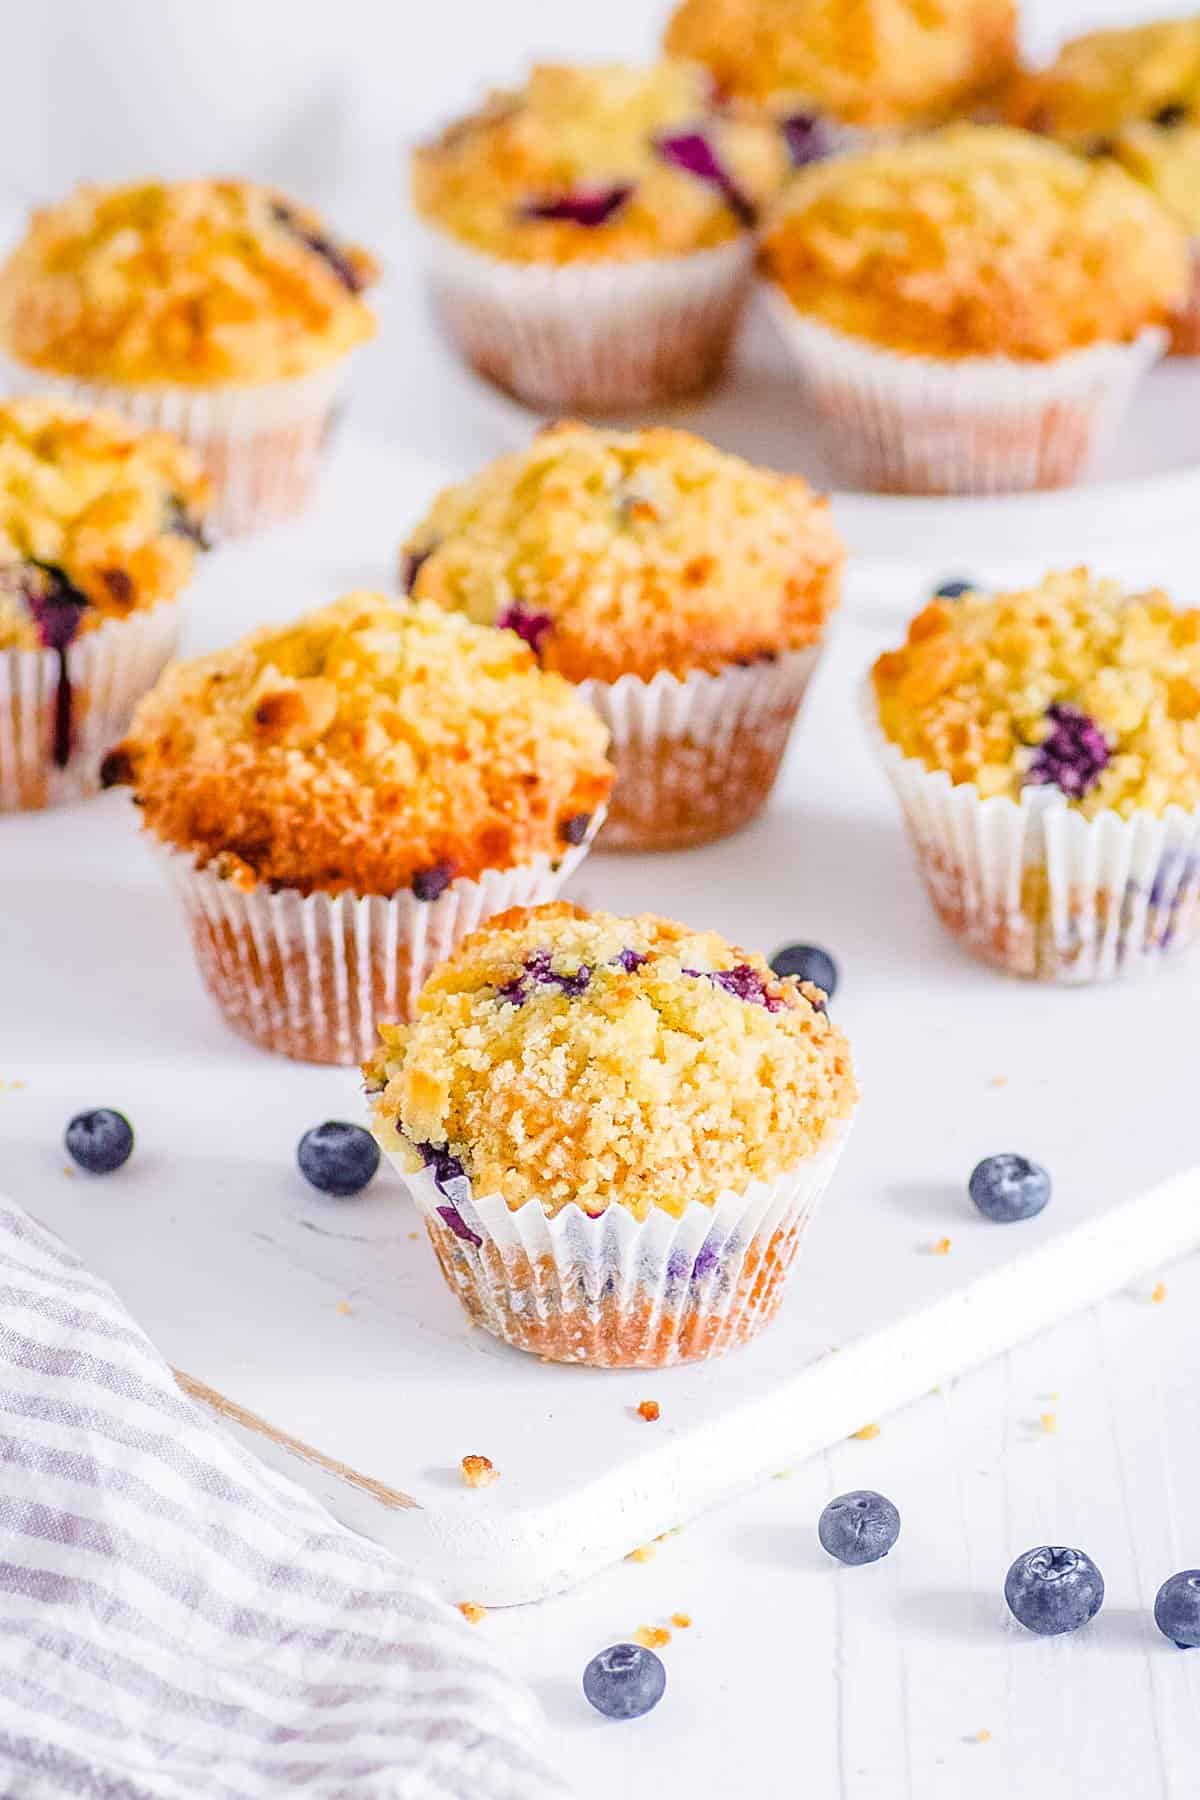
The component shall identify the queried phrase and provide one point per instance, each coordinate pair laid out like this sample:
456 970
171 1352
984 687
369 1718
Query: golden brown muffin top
1131 94
1073 684
369 747
626 553
196 283
875 63
97 520
561 1056
599 164
977 241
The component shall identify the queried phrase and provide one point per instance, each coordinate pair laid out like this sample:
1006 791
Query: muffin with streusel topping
99 528
220 310
616 1131
828 69
1133 95
591 232
971 309
1045 747
685 590
341 800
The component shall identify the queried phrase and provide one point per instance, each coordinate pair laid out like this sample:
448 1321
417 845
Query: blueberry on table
1051 1590
337 1158
955 589
99 1141
1177 1608
807 962
859 1527
624 1681
1006 1188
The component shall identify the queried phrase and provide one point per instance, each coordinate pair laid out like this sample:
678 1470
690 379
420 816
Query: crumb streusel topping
189 282
94 515
977 241
1074 684
1132 94
370 746
875 63
564 1056
617 553
599 164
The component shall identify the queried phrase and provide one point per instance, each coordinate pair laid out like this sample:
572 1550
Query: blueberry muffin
219 309
616 1130
99 528
1132 95
685 590
972 308
592 231
1046 748
341 799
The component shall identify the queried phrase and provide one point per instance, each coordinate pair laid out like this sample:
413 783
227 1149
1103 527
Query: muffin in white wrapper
261 445
697 755
311 975
614 1292
896 422
592 337
60 712
1038 889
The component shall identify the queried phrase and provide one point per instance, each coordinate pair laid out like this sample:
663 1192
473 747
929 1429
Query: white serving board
322 1330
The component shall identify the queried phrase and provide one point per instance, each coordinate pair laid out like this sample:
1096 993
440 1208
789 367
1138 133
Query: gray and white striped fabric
177 1620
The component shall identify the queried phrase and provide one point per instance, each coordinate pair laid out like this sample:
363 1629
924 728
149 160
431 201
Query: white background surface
796 1678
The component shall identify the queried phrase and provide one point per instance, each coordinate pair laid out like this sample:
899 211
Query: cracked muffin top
187 282
370 747
599 164
1131 94
977 241
1074 684
874 63
626 553
561 1056
97 520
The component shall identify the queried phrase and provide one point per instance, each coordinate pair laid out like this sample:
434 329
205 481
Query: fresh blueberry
99 1141
1006 1188
1177 1608
337 1158
859 1527
1073 754
954 589
1051 1590
808 962
624 1681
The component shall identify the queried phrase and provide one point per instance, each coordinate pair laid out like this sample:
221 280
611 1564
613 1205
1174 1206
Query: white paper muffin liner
697 755
311 975
261 445
616 1293
596 337
1037 889
109 670
897 423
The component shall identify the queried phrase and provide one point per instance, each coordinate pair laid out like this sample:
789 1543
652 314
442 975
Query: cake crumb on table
471 1612
979 1737
479 1471
998 1081
651 1637
681 1620
1158 1293
865 1433
941 1248
1048 1422
345 1308
644 1553
648 1410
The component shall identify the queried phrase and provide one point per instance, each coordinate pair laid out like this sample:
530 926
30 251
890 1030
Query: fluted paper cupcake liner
596 337
53 737
616 1293
696 755
896 423
1185 326
1037 889
311 975
260 445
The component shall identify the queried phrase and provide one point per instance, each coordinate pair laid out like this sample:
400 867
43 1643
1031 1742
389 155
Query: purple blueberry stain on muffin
807 138
431 883
182 522
630 960
454 1184
57 608
539 971
1072 756
588 207
410 568
744 983
321 246
574 830
530 626
693 152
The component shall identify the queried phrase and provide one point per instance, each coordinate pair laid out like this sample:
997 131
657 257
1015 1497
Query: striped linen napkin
178 1620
